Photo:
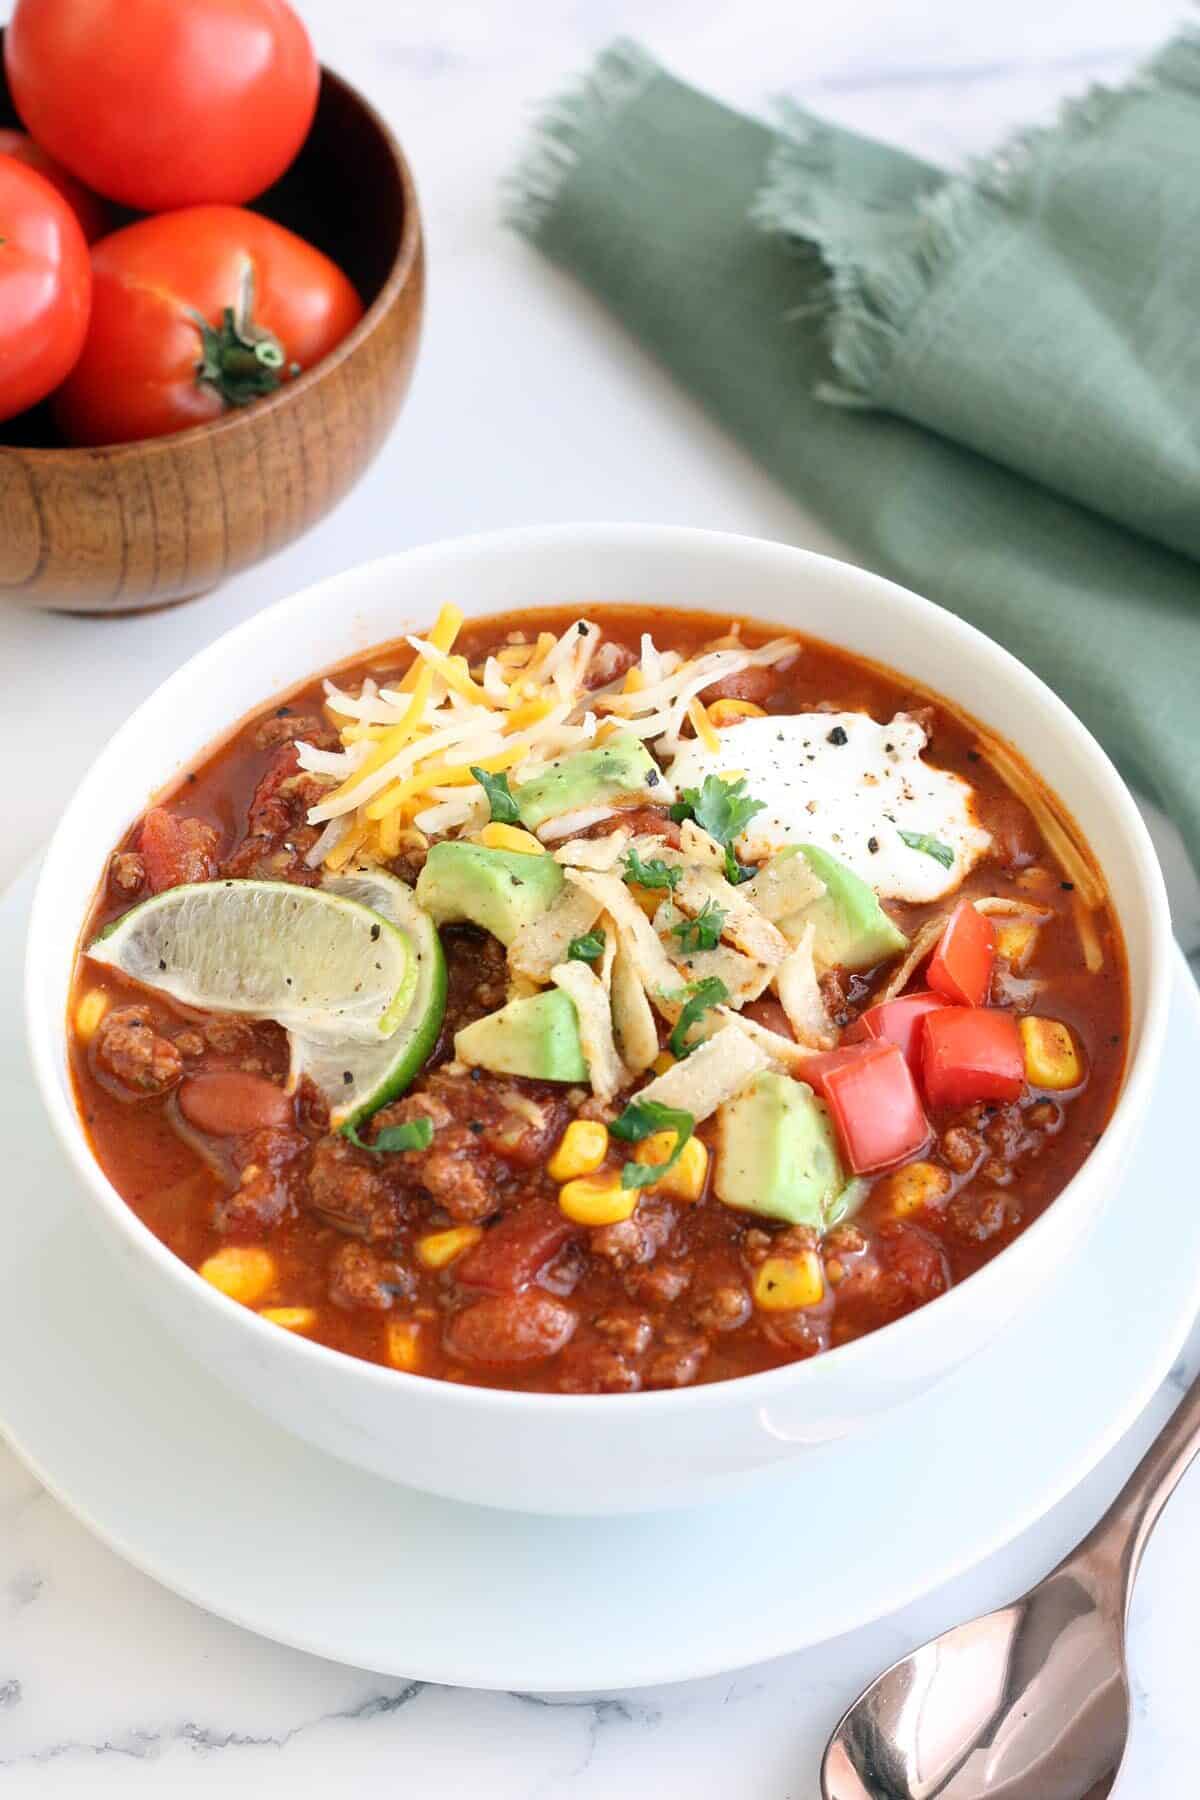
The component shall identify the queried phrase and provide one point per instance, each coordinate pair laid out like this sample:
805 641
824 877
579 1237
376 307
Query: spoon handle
1115 1544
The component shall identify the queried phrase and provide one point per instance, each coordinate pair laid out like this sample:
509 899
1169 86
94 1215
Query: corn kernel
242 1271
403 1338
598 1200
662 1062
291 1318
1051 1057
88 1014
1015 940
732 775
634 681
441 1247
581 1150
511 837
784 1283
727 712
686 1180
918 1185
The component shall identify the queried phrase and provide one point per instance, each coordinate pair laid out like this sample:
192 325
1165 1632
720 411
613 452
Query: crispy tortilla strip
714 1073
800 995
605 1068
634 1030
544 941
1000 906
783 886
594 853
922 944
660 979
744 978
783 1051
745 928
698 847
1050 822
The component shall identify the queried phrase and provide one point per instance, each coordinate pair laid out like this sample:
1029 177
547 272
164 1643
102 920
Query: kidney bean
228 1102
511 1328
511 1252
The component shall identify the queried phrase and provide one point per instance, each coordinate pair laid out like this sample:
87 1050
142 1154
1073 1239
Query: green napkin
988 386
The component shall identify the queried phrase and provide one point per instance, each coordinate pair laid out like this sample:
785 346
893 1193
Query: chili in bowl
606 1007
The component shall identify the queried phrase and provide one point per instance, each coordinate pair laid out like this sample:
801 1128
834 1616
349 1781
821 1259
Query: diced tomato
177 850
510 1253
874 1103
896 1022
971 1053
961 966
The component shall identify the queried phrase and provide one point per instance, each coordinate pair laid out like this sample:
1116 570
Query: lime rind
379 1072
314 960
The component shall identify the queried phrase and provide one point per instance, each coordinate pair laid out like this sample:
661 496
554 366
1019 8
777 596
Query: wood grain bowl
130 526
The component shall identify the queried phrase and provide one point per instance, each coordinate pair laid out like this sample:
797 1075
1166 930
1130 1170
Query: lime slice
357 1078
318 962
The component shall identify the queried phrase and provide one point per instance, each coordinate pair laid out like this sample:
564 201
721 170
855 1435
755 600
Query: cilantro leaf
704 931
736 872
504 807
704 996
414 1134
929 846
653 874
588 948
641 1119
722 808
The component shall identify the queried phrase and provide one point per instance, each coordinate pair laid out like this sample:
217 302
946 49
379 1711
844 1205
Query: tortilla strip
800 995
783 1051
544 941
605 1068
698 847
716 1072
745 927
783 886
634 1030
651 963
594 853
924 941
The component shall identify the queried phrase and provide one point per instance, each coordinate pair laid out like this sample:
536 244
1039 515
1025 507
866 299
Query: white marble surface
528 405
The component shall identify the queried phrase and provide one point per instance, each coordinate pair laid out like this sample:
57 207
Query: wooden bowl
136 525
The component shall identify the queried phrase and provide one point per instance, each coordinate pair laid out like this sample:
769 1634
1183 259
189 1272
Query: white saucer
183 1479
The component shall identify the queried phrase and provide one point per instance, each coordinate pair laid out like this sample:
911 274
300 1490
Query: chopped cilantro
414 1134
504 807
588 948
653 874
704 996
704 931
722 808
641 1119
736 872
929 846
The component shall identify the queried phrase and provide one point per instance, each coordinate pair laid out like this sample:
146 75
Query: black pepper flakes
375 930
1068 887
873 845
837 737
348 1077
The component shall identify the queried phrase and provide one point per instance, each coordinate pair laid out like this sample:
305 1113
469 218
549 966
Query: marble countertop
529 405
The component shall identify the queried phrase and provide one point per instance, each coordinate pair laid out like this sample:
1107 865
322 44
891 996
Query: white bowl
591 1454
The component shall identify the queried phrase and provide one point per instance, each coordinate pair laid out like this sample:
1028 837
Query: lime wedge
318 962
357 1079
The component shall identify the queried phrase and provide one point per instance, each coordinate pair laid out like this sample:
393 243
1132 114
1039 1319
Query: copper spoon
1030 1702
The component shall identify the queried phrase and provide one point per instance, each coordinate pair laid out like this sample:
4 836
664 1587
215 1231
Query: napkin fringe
876 282
566 129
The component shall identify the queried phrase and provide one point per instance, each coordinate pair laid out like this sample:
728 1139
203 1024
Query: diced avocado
777 1154
537 1037
853 931
501 890
620 768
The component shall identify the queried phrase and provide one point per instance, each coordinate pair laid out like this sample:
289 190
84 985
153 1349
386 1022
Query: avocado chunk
621 769
777 1154
852 929
501 890
537 1037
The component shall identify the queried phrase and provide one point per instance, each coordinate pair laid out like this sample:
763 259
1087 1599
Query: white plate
188 1483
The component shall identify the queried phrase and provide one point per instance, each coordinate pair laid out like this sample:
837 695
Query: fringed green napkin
988 385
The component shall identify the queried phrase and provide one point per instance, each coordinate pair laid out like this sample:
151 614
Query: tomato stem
242 360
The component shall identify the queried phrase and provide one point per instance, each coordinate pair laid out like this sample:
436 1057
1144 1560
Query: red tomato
164 103
896 1022
971 1053
874 1104
961 966
45 288
195 312
88 208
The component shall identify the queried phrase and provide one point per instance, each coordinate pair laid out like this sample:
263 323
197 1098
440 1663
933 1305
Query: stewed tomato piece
874 1103
971 1053
897 1022
961 966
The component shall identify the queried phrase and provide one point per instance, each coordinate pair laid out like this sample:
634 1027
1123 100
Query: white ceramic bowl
591 1454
